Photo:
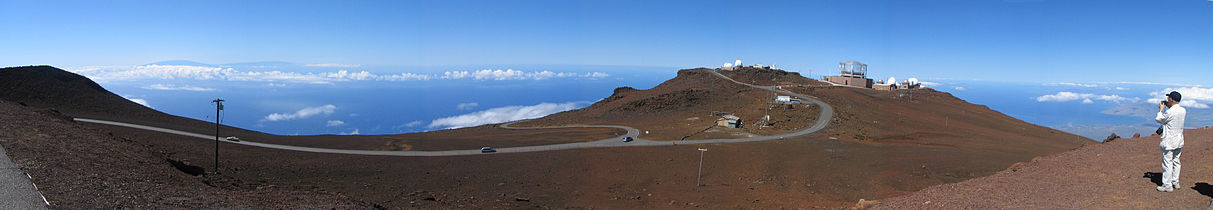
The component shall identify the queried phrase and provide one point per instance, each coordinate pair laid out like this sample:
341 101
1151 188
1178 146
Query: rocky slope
880 145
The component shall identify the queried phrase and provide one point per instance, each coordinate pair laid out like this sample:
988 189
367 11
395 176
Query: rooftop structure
853 69
852 73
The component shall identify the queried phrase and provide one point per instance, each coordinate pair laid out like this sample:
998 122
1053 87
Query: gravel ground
81 168
1111 175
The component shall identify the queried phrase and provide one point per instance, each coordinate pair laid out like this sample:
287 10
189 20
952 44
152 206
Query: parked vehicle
627 139
232 138
487 150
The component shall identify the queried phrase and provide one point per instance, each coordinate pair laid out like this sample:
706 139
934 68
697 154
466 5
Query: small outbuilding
783 99
729 121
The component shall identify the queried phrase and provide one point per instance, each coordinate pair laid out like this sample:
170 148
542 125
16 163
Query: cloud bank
302 113
1192 96
1070 84
176 87
1085 97
170 72
503 114
333 65
510 74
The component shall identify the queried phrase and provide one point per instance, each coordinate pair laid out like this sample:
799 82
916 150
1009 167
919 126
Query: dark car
627 139
487 150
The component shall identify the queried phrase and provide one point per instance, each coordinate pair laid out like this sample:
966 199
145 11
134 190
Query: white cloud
136 100
355 132
1192 96
503 114
170 72
140 102
960 88
333 65
1070 84
412 124
334 123
467 106
928 84
1121 88
510 74
302 113
1085 97
176 87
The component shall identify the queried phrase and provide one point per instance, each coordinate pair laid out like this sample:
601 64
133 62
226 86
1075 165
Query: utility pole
700 177
218 106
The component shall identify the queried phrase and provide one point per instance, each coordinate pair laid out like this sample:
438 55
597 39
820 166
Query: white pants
1170 167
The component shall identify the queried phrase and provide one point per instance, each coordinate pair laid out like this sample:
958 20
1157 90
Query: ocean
301 100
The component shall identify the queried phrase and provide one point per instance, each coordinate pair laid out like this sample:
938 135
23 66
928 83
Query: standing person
1171 116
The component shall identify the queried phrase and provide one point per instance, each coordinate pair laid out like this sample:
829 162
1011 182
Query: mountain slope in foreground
1116 175
895 156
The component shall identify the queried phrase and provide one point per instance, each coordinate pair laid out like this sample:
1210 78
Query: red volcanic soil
929 117
463 138
1115 175
893 155
79 167
770 77
686 107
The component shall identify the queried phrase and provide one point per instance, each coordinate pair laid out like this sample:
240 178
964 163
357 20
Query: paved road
18 192
823 119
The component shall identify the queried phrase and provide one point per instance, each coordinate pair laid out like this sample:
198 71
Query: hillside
686 108
933 118
77 96
1116 175
893 156
79 167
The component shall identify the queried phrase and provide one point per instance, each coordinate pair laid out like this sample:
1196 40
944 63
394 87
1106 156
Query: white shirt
1172 121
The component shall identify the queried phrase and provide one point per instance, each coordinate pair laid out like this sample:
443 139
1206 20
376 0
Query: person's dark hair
1174 95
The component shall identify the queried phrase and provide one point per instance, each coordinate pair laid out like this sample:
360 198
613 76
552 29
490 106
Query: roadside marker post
700 177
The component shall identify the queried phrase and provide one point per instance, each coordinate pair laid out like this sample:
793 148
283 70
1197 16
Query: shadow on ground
1156 178
1204 189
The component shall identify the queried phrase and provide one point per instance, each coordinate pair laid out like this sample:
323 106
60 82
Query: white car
487 150
232 138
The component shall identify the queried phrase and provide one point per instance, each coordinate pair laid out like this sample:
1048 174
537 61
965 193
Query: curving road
823 119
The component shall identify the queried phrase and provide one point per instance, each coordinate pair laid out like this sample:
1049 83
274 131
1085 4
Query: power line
218 107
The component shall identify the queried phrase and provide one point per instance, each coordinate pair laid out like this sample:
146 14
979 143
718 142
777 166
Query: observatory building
852 73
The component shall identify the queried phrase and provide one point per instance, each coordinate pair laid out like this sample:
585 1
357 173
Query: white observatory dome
913 81
892 81
737 63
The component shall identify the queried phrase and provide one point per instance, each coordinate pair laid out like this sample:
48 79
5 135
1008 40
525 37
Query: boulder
1111 138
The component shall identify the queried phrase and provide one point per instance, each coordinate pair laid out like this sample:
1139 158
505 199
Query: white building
783 99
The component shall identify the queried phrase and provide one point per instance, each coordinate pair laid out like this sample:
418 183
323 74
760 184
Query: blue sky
1049 41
